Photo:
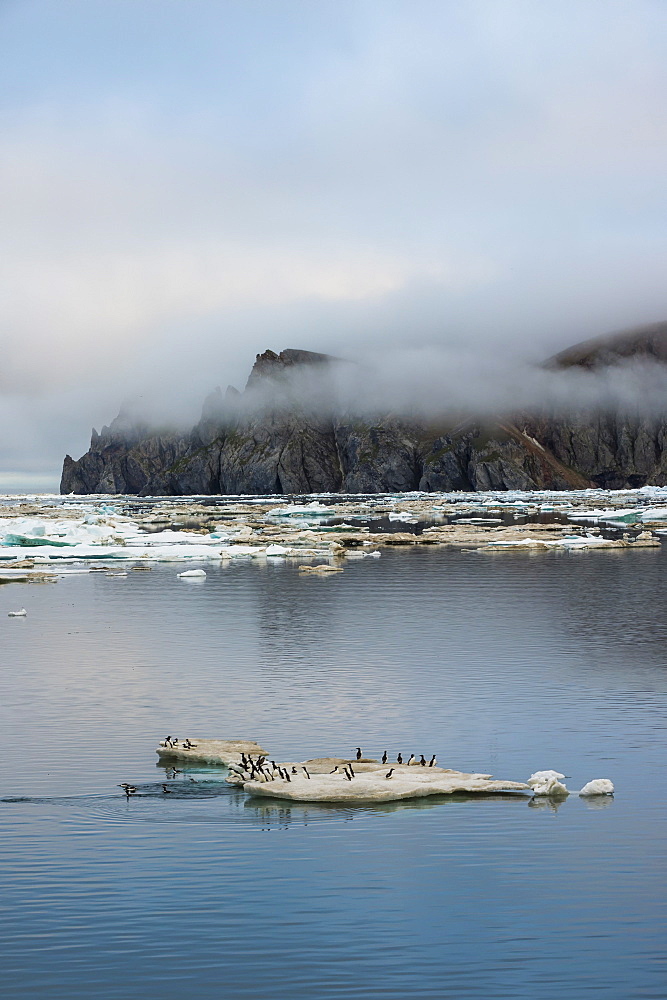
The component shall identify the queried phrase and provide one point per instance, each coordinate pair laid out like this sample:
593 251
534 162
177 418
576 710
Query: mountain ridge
273 438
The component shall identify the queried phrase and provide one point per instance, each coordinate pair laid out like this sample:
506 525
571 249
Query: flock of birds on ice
261 769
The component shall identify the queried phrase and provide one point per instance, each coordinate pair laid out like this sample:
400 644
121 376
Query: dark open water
508 663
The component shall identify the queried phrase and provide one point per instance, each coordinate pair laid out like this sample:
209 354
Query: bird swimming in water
432 761
128 789
399 759
167 791
412 757
423 761
389 773
384 757
358 753
194 781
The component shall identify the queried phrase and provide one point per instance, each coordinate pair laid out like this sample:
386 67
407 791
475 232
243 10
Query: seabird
166 790
334 770
294 770
347 775
306 770
399 759
384 757
389 773
412 757
358 753
351 770
432 761
194 781
423 761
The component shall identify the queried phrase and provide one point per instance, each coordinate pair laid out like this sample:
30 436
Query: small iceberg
548 783
18 614
193 574
598 786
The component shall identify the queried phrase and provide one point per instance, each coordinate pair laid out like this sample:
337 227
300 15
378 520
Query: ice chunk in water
598 786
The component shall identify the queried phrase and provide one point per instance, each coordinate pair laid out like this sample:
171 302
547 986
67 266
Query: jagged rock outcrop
283 434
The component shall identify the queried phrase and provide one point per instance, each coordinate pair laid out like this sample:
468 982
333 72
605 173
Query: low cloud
444 194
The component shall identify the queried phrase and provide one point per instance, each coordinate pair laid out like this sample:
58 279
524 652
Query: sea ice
548 783
212 751
598 786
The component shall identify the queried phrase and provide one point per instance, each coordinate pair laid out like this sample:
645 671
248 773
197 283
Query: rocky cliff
283 434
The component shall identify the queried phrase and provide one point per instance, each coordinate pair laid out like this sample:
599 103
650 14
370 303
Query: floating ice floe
371 784
276 550
18 614
598 786
314 509
209 751
548 783
193 574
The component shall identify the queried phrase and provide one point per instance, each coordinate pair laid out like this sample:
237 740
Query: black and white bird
412 757
431 763
384 757
423 760
358 753
399 759
306 772
167 791
389 773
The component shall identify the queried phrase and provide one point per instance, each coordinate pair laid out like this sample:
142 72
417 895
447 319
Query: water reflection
510 664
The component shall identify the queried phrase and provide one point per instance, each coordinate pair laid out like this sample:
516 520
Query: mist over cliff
307 422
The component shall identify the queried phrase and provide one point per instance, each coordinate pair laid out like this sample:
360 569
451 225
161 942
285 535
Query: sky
466 184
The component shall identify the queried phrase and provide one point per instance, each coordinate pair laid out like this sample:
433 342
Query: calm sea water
505 663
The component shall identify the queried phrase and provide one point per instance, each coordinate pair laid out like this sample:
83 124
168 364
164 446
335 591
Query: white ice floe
598 786
374 786
196 574
210 751
313 509
548 783
18 614
654 514
276 550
